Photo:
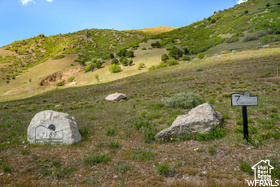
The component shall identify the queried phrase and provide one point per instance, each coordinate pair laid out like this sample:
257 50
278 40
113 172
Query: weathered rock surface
200 119
115 97
54 128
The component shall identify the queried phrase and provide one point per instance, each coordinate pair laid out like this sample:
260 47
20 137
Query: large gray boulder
115 97
200 119
54 128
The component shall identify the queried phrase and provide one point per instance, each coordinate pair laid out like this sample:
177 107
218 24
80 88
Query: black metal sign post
245 122
244 101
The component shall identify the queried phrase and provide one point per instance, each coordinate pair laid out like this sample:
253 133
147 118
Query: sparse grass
245 167
92 160
163 169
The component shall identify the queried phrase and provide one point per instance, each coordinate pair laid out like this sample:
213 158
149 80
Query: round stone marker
54 128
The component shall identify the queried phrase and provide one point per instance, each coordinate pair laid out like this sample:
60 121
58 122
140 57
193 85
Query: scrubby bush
121 53
141 65
186 57
114 68
70 79
112 55
250 38
200 55
130 62
58 57
175 53
124 62
115 61
161 65
156 45
61 83
98 64
152 68
164 57
184 100
172 62
130 54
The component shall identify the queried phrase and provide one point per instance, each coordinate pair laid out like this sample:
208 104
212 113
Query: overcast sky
22 19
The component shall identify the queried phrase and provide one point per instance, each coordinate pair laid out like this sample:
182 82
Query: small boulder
115 97
200 119
54 128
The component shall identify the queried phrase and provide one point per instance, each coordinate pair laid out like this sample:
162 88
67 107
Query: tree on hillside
115 61
175 53
130 54
112 55
186 51
164 57
121 53
156 45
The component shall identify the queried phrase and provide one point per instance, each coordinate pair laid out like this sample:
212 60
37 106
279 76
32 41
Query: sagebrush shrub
184 100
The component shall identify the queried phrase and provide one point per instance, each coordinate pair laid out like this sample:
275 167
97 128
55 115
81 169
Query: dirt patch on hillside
59 76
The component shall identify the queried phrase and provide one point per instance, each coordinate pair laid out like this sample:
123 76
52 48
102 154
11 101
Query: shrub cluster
114 68
184 100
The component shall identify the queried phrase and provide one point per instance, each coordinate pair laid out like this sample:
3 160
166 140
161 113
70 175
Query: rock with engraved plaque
51 127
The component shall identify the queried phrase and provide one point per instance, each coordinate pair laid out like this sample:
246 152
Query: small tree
125 62
267 5
164 57
115 61
122 52
98 64
200 55
186 57
114 68
156 45
172 62
130 62
112 55
130 54
175 53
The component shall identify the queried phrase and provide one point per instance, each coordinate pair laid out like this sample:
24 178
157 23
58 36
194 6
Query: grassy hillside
250 25
118 147
254 20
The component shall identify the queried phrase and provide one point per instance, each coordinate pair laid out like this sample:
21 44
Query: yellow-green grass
19 89
27 84
156 30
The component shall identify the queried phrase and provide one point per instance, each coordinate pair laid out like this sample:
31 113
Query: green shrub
184 100
7 168
163 169
70 79
156 45
97 159
58 57
152 68
244 166
114 145
141 65
124 62
141 154
115 61
200 55
164 57
115 68
61 83
186 57
172 62
130 54
212 150
250 38
161 65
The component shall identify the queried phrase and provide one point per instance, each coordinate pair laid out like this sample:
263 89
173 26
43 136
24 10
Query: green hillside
254 20
88 53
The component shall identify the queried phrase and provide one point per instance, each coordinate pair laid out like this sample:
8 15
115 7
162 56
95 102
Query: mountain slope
252 20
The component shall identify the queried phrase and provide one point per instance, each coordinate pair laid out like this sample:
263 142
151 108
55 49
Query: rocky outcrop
200 119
